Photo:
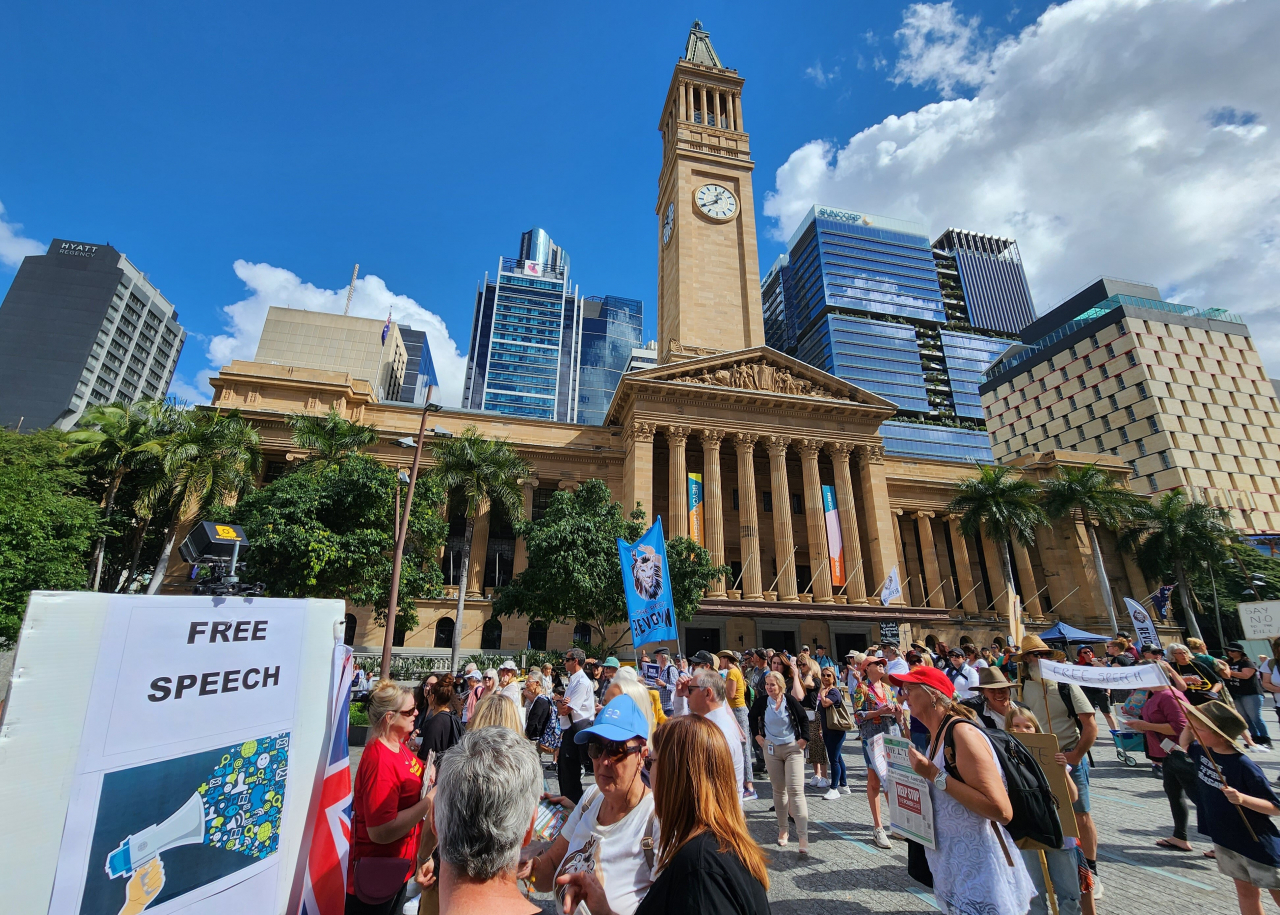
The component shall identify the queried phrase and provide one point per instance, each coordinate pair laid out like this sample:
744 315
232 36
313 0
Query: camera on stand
216 547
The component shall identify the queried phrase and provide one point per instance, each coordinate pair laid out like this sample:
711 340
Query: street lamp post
402 532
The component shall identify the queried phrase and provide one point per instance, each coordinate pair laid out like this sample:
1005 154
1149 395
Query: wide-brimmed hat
509 664
1221 719
992 678
1035 643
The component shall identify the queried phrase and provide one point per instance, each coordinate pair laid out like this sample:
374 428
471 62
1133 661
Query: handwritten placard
1260 619
1044 747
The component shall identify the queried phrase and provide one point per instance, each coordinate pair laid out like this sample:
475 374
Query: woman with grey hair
1203 684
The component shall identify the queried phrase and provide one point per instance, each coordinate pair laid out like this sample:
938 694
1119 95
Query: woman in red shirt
389 806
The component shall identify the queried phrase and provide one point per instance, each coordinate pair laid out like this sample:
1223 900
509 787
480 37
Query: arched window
491 634
444 632
998 641
349 636
931 642
582 633
537 636
966 640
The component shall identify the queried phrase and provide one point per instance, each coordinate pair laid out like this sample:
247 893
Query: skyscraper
418 366
538 349
861 296
82 325
982 276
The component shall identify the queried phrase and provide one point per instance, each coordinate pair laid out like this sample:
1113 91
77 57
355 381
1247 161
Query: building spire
699 50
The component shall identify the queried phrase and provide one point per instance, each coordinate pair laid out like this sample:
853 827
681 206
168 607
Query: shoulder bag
838 717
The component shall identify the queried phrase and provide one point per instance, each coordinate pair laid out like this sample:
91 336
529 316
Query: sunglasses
408 712
611 749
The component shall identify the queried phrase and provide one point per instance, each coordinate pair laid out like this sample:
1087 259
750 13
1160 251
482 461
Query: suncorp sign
856 219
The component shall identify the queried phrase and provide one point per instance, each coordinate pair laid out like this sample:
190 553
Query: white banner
1103 677
1143 626
892 588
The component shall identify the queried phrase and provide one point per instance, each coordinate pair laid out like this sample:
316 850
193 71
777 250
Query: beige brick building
1179 394
335 343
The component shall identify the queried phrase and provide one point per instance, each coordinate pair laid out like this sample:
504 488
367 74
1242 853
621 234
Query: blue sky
420 142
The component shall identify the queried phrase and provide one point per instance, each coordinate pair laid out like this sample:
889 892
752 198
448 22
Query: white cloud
268 286
821 78
13 246
1121 137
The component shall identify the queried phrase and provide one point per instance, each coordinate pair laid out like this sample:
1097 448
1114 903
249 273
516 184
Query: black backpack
1035 808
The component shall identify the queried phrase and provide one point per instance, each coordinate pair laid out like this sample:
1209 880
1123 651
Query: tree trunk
1103 581
162 564
137 554
1185 593
100 548
1006 567
462 594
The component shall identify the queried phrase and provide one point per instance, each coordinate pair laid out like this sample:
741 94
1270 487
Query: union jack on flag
324 890
386 329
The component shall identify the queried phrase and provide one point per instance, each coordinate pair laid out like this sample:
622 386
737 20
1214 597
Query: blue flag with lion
646 580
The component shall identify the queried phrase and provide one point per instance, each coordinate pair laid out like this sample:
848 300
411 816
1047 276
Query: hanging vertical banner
646 581
696 533
835 540
1143 626
892 589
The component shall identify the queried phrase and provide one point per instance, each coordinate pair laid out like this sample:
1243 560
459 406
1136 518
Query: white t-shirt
1269 667
722 718
965 680
978 663
615 853
512 692
897 666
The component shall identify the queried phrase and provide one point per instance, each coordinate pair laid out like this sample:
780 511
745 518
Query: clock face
716 201
667 223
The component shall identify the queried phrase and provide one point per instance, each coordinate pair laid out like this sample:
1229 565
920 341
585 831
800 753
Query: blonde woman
627 682
495 710
781 728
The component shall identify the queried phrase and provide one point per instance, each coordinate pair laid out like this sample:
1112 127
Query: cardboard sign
1044 747
910 806
1260 619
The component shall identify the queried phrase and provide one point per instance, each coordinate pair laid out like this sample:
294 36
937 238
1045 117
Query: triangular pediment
761 371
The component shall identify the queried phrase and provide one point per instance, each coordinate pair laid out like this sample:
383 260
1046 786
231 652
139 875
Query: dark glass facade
993 282
611 329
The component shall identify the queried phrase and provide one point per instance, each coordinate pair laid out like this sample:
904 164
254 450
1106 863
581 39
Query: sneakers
881 838
823 783
845 789
815 782
832 795
750 795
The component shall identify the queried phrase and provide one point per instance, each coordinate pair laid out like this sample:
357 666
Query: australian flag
386 329
324 889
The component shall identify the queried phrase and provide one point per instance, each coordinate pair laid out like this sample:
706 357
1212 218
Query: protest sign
1143 626
879 761
889 633
168 748
650 671
1044 747
646 582
910 807
1260 619
1139 675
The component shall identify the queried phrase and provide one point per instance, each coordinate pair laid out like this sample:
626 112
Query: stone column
856 589
689 91
814 514
677 481
783 537
928 549
881 538
683 93
1027 575
737 110
479 552
748 534
904 571
713 503
637 470
716 107
968 597
702 90
521 560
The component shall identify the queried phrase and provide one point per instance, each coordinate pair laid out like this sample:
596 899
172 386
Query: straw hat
992 678
1221 719
1035 643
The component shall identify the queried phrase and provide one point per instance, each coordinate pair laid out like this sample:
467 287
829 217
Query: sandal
1166 843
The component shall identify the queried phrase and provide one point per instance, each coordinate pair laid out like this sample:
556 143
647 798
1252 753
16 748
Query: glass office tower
992 283
860 296
611 329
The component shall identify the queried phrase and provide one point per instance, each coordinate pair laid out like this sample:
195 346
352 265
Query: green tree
331 533
477 472
116 439
210 460
574 572
1004 506
47 528
1099 499
330 436
1172 537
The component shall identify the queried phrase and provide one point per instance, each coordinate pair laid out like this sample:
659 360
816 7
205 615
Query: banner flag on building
1160 601
892 589
835 540
1144 627
696 533
324 888
646 581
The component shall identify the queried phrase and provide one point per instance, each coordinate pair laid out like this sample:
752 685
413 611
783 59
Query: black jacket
799 720
536 718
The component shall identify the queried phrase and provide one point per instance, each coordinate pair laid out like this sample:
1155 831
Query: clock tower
708 269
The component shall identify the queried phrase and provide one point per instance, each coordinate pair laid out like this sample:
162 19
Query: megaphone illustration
185 827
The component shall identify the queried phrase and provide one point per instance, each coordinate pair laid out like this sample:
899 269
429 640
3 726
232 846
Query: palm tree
1003 506
1168 535
118 437
1099 499
479 472
331 437
211 459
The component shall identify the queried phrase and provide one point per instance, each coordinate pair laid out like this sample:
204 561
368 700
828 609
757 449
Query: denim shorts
1080 775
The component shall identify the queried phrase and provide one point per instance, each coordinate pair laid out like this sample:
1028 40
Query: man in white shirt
577 710
964 677
896 665
706 694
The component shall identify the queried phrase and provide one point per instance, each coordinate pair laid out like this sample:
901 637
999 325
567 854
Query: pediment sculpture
759 376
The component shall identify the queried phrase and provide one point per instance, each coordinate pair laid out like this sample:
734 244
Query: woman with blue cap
612 831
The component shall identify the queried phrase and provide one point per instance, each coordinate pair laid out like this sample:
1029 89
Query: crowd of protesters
451 784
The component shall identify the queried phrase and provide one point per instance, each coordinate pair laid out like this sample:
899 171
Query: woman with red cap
876 711
976 866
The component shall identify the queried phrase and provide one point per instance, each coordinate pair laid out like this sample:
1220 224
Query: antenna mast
351 290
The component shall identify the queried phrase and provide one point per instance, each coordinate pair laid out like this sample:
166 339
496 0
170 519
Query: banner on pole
696 533
1134 677
1144 626
835 540
892 589
646 581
